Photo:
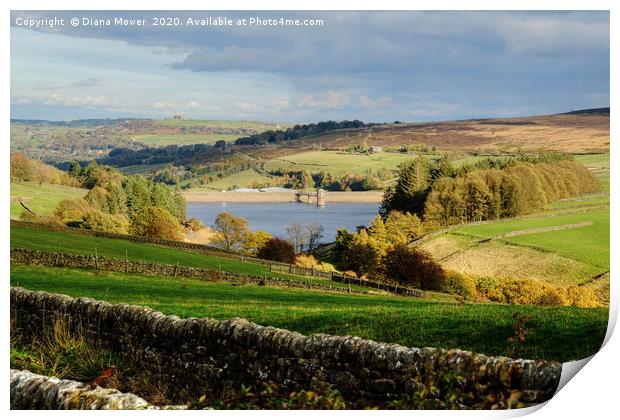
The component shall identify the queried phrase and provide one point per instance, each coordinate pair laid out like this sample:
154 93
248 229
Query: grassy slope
45 240
40 198
339 163
241 179
411 322
160 140
561 257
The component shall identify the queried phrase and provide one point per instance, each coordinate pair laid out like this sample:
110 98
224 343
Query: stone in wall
30 391
203 355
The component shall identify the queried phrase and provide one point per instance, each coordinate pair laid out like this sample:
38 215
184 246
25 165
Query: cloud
342 99
91 81
72 101
192 104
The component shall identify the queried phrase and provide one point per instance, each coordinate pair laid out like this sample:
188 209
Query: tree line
490 189
299 131
121 204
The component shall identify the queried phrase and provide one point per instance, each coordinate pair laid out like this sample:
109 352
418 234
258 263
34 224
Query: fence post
58 254
96 259
176 268
126 262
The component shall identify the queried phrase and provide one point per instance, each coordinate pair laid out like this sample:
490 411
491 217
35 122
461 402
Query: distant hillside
591 111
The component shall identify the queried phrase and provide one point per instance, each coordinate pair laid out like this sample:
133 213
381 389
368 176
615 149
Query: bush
534 292
415 267
194 224
158 223
103 222
276 249
520 292
309 261
459 284
72 210
27 216
306 261
583 297
485 285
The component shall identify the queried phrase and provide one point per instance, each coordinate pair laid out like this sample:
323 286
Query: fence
276 267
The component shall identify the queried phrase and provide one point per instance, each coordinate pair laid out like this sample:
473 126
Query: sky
372 66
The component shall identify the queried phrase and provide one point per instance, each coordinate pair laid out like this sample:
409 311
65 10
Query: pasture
40 198
73 243
482 328
338 163
160 140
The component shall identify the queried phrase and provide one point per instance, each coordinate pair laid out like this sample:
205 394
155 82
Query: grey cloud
91 81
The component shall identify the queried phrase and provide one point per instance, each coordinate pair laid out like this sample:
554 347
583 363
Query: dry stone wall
59 259
197 356
30 391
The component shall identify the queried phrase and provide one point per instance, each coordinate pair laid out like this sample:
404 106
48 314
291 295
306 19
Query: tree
413 267
97 220
75 170
297 236
276 249
411 189
315 234
231 231
98 198
72 210
361 256
158 223
254 241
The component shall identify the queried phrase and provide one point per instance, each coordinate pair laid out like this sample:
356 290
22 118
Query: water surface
275 217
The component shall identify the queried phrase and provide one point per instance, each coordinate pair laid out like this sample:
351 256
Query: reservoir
275 217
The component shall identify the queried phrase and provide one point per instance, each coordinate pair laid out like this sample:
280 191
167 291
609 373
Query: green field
223 124
588 243
599 164
338 163
241 179
40 198
50 241
555 333
160 140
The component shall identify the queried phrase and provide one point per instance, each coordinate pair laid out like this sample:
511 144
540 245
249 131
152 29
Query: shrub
413 267
520 291
306 261
583 297
253 241
485 285
194 224
459 284
534 292
158 223
309 261
72 210
27 216
103 222
276 249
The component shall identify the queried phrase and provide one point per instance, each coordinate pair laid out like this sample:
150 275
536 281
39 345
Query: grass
482 328
159 140
241 179
40 198
588 243
229 124
338 163
50 241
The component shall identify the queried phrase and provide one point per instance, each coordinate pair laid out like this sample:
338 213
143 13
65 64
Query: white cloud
192 104
342 99
71 101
